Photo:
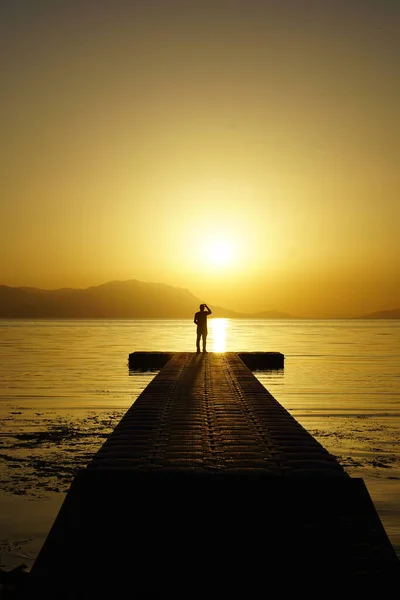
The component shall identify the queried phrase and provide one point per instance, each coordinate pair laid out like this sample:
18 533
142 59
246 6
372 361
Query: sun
220 253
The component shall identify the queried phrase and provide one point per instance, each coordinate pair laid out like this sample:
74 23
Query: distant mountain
270 314
130 299
115 300
384 314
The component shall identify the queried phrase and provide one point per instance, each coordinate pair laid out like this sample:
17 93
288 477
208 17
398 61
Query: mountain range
383 314
130 299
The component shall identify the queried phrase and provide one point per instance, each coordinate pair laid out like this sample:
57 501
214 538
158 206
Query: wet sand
40 453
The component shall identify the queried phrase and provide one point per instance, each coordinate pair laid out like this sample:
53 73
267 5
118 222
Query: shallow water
64 385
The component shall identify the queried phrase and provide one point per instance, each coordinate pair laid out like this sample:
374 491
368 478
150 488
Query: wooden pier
209 487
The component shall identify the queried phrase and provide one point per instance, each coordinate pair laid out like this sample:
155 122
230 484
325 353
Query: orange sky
245 150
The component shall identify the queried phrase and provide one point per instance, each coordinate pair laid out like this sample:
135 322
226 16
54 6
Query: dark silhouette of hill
384 314
130 299
115 300
270 314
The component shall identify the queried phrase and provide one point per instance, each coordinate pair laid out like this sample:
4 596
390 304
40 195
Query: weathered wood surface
208 486
210 414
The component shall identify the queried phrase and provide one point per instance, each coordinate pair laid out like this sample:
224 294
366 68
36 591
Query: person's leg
205 342
198 341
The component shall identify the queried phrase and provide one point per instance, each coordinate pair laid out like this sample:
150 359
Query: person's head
202 306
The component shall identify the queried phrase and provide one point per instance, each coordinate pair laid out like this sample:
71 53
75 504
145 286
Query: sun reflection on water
218 334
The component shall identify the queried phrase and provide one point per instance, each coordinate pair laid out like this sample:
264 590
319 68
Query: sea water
64 384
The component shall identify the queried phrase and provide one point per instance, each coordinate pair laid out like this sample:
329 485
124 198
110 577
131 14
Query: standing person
200 319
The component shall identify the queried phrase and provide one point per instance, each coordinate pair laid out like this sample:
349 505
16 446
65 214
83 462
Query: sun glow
220 253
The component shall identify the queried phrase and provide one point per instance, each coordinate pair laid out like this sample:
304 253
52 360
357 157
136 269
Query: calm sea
341 381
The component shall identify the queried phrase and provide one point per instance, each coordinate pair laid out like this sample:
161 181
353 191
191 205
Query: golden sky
246 150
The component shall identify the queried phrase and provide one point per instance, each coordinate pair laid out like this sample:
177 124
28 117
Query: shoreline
38 465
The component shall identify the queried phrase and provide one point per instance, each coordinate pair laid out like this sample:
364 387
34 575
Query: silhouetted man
200 318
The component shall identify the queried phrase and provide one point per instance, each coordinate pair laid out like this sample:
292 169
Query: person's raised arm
208 309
